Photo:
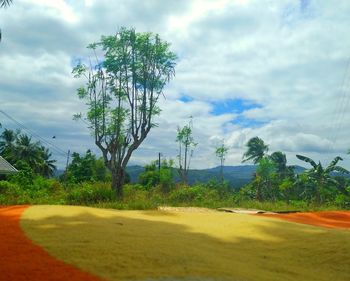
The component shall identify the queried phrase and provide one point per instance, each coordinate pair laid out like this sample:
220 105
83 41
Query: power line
339 112
35 135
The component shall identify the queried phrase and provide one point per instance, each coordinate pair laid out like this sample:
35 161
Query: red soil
333 219
21 260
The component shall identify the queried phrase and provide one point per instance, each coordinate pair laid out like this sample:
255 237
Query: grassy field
180 245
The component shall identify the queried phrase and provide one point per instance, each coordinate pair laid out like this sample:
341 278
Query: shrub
342 201
25 176
86 194
190 194
6 186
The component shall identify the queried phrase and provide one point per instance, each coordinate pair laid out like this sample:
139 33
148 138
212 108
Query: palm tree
7 144
27 150
280 160
46 166
320 177
256 150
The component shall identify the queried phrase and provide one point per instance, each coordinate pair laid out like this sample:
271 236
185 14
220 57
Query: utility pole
66 175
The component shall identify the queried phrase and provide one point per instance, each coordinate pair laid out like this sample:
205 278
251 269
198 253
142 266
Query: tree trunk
118 178
222 171
258 193
183 175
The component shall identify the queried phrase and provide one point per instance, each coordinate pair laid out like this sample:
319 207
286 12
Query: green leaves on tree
125 78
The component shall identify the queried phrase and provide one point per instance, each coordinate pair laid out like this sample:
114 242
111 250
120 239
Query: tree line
21 151
275 180
124 79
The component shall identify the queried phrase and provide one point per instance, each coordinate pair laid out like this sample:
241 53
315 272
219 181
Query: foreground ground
165 245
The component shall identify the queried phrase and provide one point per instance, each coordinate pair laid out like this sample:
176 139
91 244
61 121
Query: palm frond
341 170
308 160
335 161
5 3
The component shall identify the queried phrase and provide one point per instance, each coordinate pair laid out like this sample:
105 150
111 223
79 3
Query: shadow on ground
139 245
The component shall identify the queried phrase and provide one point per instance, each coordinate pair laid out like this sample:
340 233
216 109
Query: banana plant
320 177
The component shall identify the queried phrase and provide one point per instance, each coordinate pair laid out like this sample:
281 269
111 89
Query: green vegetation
86 181
125 80
26 155
186 146
221 152
256 149
122 93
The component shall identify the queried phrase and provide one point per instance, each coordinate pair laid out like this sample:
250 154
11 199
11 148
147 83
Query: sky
274 69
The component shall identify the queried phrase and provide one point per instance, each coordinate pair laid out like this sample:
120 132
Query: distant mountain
237 176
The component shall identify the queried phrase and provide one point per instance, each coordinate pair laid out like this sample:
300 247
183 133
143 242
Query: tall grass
100 194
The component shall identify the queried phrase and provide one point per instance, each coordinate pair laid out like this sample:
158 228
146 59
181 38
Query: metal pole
65 178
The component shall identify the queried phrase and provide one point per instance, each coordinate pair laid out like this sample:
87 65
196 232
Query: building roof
6 167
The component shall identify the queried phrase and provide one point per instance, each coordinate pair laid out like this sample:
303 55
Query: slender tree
124 83
221 152
186 146
256 150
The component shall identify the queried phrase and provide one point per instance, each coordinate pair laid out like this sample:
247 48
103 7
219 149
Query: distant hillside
237 176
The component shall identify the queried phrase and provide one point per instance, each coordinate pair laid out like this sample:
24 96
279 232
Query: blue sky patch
248 123
74 61
185 98
304 4
233 106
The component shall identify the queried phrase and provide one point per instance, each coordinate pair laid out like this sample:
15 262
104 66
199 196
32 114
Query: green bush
6 186
86 194
192 193
342 201
25 176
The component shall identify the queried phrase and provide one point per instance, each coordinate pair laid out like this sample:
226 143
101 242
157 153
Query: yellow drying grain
175 245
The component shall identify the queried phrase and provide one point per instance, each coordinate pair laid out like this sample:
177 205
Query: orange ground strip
21 260
333 219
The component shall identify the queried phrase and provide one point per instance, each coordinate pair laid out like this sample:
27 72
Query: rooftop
6 167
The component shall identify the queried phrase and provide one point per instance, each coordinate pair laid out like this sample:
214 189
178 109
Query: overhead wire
341 106
35 135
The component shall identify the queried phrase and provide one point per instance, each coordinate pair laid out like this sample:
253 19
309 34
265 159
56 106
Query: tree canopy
256 149
124 84
18 147
186 146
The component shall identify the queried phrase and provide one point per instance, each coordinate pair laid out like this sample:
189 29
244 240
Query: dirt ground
79 243
21 260
332 219
188 245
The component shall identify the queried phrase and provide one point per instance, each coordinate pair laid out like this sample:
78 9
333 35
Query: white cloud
288 58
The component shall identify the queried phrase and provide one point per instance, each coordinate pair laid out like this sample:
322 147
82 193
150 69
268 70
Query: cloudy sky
277 69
